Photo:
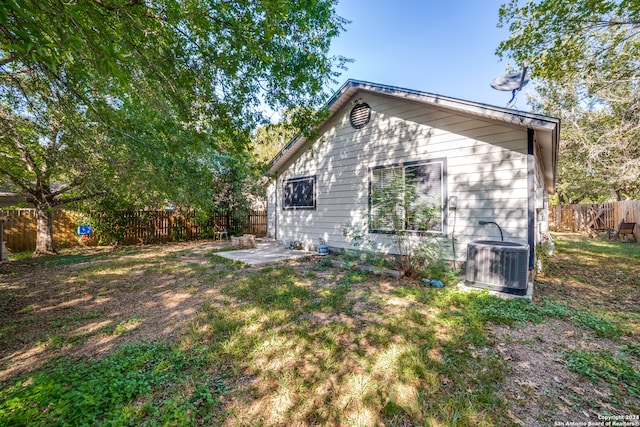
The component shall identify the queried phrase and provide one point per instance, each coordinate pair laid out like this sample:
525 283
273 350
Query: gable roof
547 128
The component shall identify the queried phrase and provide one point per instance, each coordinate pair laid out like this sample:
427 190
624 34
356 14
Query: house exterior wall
486 169
541 201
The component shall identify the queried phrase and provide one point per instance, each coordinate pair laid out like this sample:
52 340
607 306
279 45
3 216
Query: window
408 197
299 193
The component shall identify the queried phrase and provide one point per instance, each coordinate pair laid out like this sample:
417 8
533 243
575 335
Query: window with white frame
408 197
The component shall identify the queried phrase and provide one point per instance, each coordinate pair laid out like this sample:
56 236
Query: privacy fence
139 227
595 217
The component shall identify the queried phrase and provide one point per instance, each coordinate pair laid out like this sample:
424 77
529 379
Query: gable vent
360 115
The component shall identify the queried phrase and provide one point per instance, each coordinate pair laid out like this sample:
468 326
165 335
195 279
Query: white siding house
492 163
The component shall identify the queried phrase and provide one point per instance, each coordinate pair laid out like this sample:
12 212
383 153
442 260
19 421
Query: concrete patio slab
263 253
529 295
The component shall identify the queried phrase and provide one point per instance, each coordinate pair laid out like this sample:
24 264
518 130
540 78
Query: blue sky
437 46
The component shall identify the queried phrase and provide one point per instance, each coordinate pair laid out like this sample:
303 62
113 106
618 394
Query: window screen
408 197
299 193
425 180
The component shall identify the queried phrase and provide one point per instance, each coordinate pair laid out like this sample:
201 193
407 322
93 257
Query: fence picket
141 227
579 217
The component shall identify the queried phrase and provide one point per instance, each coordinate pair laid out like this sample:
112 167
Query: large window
299 193
408 197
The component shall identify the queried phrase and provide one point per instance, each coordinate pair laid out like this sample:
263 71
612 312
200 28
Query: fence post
20 227
3 255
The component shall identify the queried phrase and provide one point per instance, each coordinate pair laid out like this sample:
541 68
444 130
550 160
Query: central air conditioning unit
498 266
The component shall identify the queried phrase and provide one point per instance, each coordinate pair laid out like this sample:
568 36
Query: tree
584 56
239 182
139 98
271 138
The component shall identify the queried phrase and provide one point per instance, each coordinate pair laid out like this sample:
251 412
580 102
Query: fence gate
604 216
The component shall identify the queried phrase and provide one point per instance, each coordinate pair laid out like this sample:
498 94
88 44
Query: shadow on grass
356 352
598 277
115 390
282 347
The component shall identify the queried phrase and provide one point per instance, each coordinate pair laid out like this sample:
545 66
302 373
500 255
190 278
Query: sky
444 47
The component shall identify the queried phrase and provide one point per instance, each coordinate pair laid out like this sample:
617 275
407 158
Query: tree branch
62 201
17 181
112 8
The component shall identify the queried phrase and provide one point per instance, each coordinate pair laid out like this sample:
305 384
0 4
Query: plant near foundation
406 212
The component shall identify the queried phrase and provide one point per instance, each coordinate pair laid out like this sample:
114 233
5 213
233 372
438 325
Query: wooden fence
605 216
134 228
20 229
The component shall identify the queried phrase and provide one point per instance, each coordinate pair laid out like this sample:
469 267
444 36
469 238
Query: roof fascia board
350 87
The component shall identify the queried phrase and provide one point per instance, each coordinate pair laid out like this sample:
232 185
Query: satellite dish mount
513 82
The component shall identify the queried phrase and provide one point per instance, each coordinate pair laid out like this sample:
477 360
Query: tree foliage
140 99
585 57
269 139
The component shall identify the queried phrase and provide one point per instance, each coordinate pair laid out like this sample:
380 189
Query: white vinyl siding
271 210
486 168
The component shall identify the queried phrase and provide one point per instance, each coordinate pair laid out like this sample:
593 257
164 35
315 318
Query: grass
17 256
311 344
114 390
312 363
604 366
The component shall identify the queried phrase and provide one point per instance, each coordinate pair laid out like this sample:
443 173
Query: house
476 162
9 199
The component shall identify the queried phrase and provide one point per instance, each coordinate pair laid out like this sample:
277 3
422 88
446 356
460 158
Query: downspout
275 213
531 201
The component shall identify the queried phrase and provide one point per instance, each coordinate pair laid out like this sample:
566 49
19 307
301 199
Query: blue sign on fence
84 230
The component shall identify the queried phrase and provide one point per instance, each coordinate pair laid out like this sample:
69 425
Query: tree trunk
44 232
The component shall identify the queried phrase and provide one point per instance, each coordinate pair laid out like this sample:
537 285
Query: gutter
350 87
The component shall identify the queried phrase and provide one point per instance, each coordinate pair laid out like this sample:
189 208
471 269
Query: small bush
442 271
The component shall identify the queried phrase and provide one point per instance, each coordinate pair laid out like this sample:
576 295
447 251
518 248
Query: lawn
176 335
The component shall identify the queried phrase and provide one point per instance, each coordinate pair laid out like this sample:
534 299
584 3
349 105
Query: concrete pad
528 296
263 253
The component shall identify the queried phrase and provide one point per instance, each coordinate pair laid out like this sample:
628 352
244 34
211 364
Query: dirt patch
89 303
74 307
540 388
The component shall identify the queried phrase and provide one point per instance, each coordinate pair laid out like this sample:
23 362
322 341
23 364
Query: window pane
425 184
407 198
299 193
387 199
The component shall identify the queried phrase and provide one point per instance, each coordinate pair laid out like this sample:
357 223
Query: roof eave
350 87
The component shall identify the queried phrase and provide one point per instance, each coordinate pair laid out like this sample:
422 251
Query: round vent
360 115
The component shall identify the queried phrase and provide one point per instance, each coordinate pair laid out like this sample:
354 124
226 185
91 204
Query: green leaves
138 99
584 58
107 391
602 365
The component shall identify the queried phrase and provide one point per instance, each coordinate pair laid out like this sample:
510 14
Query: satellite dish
512 81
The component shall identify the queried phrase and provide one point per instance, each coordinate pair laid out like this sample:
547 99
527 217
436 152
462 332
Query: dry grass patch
303 343
87 303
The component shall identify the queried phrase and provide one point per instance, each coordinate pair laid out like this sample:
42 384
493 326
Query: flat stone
368 268
379 270
263 253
